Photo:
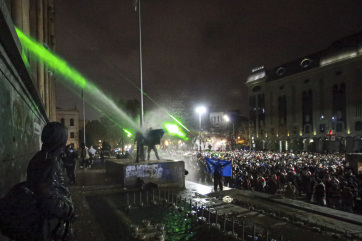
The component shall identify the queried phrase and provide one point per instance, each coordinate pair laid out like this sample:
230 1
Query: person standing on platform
153 138
139 139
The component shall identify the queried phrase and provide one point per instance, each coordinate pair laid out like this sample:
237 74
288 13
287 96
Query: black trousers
149 152
140 153
218 182
71 172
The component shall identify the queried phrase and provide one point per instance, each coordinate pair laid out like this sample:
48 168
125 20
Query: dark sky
201 48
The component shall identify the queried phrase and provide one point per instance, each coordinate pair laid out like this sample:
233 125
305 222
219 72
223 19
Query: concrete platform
160 173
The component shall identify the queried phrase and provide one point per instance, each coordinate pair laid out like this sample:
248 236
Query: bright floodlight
226 118
200 110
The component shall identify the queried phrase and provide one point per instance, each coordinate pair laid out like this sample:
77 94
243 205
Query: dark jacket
69 159
45 176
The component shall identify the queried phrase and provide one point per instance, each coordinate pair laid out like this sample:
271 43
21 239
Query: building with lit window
313 103
69 119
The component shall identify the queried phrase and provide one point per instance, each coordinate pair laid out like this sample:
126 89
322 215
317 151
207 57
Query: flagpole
141 75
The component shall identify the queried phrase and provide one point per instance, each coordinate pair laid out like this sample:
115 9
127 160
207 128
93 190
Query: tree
243 131
94 131
115 123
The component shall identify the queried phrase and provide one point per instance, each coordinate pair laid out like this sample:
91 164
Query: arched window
71 122
62 121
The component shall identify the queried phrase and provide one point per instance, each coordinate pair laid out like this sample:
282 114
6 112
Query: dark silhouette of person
152 140
140 156
69 161
45 177
218 179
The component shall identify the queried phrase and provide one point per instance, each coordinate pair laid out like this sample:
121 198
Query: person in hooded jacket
45 176
69 162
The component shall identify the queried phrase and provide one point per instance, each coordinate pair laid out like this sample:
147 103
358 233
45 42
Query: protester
91 153
69 163
323 179
84 156
139 139
45 176
152 139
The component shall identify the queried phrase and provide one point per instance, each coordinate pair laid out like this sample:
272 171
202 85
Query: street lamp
200 110
227 119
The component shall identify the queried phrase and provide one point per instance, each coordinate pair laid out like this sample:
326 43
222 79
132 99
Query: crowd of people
323 179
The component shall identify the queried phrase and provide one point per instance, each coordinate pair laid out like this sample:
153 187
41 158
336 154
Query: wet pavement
107 211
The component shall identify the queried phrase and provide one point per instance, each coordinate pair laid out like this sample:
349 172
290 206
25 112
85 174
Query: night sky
204 49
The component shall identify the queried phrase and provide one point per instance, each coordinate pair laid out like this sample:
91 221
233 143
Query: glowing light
201 110
256 76
226 118
173 129
257 69
338 57
179 122
128 132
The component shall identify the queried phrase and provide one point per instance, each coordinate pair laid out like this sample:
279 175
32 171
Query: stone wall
22 115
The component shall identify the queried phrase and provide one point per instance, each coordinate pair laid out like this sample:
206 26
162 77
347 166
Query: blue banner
221 166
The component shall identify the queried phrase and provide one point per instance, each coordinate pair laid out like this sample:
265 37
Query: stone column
40 38
20 15
51 44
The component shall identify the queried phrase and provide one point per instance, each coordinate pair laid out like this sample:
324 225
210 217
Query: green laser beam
60 66
113 121
52 61
128 132
124 77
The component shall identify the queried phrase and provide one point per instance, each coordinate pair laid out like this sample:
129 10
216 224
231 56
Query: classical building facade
313 103
27 88
70 119
217 119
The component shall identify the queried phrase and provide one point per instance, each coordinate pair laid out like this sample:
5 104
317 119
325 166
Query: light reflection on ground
201 189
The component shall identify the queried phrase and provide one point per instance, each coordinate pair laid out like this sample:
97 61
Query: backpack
20 216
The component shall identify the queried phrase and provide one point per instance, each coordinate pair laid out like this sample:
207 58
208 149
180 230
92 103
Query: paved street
101 205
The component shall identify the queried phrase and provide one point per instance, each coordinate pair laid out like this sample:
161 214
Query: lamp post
137 5
227 119
200 110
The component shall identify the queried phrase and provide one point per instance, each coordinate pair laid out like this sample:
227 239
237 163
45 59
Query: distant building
217 119
313 103
69 118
